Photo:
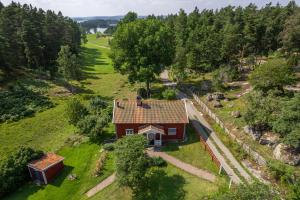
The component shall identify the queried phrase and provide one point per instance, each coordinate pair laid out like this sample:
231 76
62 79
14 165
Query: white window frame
172 131
129 131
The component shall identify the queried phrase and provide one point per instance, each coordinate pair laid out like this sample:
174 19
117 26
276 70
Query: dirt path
184 166
98 45
101 185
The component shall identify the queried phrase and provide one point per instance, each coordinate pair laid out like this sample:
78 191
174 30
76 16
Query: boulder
255 134
209 97
217 104
72 177
236 114
269 138
285 154
218 96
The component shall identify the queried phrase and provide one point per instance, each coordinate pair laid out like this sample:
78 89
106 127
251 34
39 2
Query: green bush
169 94
14 171
109 147
75 111
21 102
281 172
157 162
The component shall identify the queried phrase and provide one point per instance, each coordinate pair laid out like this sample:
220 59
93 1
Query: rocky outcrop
285 154
269 138
253 133
209 97
218 96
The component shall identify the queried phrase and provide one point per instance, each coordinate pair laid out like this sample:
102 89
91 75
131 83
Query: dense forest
32 38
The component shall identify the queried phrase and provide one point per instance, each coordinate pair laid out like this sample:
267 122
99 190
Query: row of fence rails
255 156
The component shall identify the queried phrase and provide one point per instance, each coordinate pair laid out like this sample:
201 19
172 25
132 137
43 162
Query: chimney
139 101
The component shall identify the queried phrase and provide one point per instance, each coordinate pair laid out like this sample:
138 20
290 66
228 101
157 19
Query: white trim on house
129 131
30 171
186 112
44 176
113 118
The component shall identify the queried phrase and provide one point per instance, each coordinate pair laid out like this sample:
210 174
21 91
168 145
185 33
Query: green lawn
192 152
168 183
49 129
79 160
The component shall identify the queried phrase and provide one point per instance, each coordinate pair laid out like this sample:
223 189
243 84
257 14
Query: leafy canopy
142 49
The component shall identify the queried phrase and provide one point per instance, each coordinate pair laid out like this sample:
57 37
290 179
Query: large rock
285 154
209 97
269 138
217 104
236 114
218 96
255 134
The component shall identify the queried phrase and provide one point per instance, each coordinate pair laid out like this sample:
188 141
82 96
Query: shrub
20 103
109 147
75 111
142 92
157 162
100 164
281 172
169 94
13 170
97 104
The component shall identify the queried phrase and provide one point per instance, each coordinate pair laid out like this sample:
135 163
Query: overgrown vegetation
14 171
21 102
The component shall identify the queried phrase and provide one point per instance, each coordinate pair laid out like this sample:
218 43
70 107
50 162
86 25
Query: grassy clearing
49 129
192 152
167 183
79 160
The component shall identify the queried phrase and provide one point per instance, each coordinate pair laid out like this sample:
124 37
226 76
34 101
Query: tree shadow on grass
160 186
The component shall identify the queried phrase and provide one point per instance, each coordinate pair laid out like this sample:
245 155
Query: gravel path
101 185
184 166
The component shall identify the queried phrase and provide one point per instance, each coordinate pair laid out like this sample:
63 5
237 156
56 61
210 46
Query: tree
256 190
291 33
275 74
129 17
68 64
75 111
260 110
131 161
142 49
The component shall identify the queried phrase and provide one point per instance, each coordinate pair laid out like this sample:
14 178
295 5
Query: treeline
97 23
31 37
209 39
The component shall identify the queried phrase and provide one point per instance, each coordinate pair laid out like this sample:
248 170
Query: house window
129 131
172 131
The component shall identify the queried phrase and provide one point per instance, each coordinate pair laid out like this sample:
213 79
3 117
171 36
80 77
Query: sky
82 8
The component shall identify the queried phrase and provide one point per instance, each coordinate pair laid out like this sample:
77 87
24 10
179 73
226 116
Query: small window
129 132
172 131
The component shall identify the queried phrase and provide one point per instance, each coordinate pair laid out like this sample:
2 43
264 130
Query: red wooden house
46 168
159 120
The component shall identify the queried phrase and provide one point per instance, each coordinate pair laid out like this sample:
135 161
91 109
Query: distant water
101 30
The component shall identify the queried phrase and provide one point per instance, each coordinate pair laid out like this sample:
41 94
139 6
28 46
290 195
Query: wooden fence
255 156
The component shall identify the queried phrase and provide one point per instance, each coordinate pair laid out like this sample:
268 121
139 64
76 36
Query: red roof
46 161
150 112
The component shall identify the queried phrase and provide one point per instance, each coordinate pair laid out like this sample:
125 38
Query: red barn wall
121 130
51 172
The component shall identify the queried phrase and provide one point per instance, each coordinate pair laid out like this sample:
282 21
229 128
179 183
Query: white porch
153 134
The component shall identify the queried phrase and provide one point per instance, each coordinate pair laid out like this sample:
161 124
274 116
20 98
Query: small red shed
46 168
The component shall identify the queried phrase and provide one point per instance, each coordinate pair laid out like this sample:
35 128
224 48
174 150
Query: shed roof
150 112
46 161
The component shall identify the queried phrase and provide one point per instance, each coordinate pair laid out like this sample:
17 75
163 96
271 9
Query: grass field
192 152
49 129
